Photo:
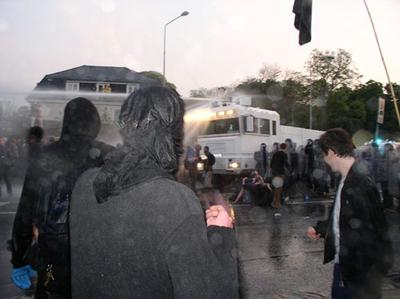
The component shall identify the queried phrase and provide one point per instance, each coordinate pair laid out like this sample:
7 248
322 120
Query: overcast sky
219 43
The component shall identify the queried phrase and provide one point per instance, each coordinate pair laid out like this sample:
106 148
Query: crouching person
257 189
138 233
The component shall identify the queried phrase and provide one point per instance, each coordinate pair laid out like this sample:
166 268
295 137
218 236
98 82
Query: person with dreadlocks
138 233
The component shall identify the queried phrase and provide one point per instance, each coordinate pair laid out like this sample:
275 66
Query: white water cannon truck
234 131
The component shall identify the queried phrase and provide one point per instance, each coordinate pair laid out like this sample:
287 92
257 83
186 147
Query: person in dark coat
8 159
191 164
22 229
45 200
309 153
208 167
261 158
138 233
279 165
356 233
34 141
4 167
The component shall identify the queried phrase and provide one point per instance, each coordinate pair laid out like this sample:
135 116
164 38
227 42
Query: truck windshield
221 126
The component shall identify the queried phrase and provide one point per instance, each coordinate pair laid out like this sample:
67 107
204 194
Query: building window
103 87
131 88
118 88
87 87
250 124
274 127
264 126
222 126
72 86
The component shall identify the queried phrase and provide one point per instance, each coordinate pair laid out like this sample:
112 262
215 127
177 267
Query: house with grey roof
106 86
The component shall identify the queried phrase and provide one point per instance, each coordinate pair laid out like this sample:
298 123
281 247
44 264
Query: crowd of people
199 167
278 172
96 221
15 154
282 169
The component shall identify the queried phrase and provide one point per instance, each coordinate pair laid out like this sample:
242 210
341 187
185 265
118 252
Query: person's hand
258 182
268 185
35 233
311 233
218 216
21 277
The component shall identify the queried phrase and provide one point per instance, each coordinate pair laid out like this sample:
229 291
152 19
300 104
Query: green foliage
159 77
332 90
14 121
332 69
368 94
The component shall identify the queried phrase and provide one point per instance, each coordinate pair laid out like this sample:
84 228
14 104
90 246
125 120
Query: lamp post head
185 13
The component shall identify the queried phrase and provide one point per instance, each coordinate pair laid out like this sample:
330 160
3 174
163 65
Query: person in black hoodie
279 165
138 233
356 233
45 200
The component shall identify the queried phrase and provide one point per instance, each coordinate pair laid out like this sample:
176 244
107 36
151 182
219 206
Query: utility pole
384 65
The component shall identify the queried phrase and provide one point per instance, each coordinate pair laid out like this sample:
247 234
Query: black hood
81 120
151 121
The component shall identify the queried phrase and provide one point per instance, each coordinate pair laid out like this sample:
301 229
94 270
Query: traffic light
302 21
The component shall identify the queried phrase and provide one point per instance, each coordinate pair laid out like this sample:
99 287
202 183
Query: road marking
3 203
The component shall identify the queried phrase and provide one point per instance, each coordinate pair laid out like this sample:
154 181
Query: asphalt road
276 258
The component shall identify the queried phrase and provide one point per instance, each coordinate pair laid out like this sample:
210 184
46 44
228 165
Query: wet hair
154 115
81 118
36 132
337 140
151 122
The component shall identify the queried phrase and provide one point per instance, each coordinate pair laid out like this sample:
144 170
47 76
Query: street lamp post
310 113
185 13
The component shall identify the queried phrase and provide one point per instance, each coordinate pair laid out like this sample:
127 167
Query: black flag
302 21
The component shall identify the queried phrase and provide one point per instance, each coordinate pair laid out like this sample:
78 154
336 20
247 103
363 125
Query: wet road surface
276 258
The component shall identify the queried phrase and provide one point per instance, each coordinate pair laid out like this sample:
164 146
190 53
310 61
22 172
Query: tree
391 123
269 72
368 94
396 88
332 69
294 93
159 77
337 109
254 86
14 121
